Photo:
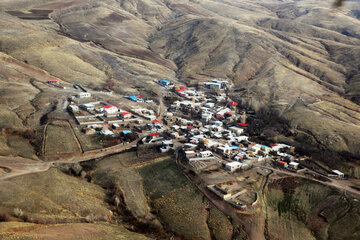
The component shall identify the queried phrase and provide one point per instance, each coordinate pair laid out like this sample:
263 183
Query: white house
294 165
205 154
232 166
109 109
84 95
338 173
125 115
223 150
73 108
237 131
87 106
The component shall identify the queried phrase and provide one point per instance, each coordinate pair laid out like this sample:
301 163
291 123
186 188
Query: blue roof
126 132
164 81
133 97
234 147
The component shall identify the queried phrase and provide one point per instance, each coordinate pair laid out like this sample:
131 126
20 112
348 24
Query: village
207 131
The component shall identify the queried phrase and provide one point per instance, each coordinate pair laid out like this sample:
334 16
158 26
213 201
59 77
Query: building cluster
101 117
212 125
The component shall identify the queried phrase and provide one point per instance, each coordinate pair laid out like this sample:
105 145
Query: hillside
294 62
295 59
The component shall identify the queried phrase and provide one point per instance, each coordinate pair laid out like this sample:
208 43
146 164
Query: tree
110 83
130 137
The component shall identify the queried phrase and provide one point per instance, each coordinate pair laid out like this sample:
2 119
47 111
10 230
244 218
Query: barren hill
297 60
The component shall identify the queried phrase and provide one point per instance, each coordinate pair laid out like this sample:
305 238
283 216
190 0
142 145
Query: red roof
183 95
242 124
109 106
157 121
233 103
282 162
183 87
124 113
53 80
219 116
140 96
228 113
215 129
191 127
154 134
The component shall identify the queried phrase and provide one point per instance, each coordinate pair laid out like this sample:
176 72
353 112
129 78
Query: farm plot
60 140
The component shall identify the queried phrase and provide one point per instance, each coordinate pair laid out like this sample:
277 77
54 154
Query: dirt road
342 185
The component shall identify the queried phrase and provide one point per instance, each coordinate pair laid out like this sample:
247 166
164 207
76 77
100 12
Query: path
342 185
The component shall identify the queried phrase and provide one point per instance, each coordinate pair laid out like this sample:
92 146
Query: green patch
178 203
161 178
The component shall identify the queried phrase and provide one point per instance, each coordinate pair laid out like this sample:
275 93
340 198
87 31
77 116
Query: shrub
90 218
29 134
18 212
4 217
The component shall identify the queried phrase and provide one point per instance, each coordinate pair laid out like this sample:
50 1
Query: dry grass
95 231
60 140
52 194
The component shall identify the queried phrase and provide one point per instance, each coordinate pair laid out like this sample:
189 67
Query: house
133 98
205 117
278 147
73 108
154 135
54 81
205 154
257 148
223 83
237 131
125 115
241 124
209 105
106 133
83 95
90 131
213 85
282 164
87 106
233 104
166 146
125 132
175 127
223 150
220 117
109 109
164 83
175 135
190 154
233 166
240 156
158 123
294 165
190 146
338 174
217 123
